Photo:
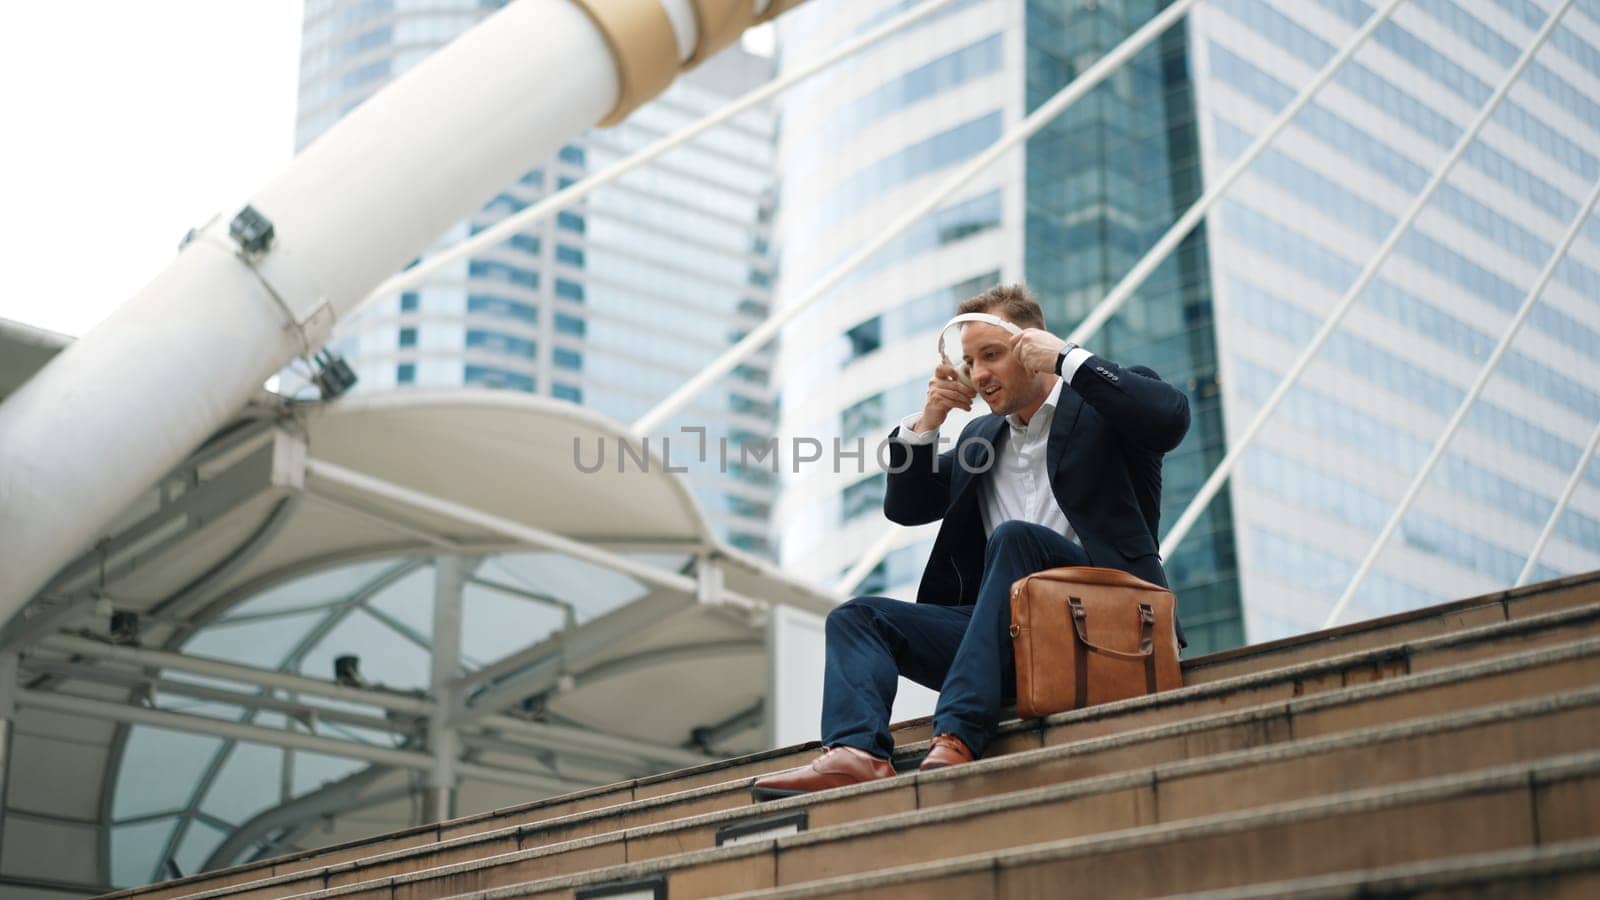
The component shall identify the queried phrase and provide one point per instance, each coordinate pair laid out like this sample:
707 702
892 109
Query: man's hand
1037 349
945 392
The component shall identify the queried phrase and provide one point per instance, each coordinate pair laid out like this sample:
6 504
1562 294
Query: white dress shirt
1018 486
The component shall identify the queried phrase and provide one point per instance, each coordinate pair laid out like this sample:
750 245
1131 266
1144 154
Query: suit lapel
1068 406
991 428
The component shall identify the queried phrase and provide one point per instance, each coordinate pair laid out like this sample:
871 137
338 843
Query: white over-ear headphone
963 371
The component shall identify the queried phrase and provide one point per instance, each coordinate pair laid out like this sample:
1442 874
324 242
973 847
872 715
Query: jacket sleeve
918 490
1145 410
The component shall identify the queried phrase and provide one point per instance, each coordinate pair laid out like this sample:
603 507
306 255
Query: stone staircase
1451 751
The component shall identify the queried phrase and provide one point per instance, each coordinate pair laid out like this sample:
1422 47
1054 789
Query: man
1073 479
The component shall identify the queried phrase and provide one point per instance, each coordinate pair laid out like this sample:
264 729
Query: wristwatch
1061 357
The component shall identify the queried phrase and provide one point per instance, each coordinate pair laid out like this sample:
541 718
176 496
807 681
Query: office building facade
1068 213
611 303
1330 468
1225 315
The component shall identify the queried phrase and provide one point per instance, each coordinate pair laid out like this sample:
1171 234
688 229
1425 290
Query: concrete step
1545 803
1554 872
1419 624
874 822
1203 719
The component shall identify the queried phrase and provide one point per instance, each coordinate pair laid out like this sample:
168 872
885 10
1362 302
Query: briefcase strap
1147 643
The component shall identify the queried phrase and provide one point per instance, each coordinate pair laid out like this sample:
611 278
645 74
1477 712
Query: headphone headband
985 318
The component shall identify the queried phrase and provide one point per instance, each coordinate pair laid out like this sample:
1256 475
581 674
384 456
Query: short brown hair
1012 302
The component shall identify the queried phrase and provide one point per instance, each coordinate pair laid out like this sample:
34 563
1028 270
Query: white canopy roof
302 520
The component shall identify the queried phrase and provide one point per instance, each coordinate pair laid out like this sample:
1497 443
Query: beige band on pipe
778 8
642 45
721 23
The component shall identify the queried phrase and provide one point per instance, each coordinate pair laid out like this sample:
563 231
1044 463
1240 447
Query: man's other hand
945 392
1037 349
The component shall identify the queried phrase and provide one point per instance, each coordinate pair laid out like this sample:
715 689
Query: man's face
997 373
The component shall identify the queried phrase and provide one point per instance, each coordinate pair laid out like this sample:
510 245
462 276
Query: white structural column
1561 507
1489 365
767 330
450 578
175 362
1197 506
1123 290
8 711
503 230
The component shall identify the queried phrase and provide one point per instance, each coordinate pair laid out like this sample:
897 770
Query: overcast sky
127 122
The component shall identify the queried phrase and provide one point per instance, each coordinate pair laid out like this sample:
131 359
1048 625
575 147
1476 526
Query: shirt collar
1043 415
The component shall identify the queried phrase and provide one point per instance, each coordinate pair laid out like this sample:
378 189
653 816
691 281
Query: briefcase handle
1147 628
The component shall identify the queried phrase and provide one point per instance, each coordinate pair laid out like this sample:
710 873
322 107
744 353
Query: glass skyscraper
1289 240
1226 314
612 303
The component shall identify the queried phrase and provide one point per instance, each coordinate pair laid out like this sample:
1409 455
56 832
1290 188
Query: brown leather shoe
836 767
947 750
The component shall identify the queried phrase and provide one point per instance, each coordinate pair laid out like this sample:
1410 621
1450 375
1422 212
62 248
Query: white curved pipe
125 403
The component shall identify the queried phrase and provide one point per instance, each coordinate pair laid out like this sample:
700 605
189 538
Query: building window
491 305
863 497
568 392
570 222
409 302
567 358
498 271
750 543
572 325
501 343
405 373
408 337
563 182
864 417
569 289
866 337
572 256
527 243
572 154
489 376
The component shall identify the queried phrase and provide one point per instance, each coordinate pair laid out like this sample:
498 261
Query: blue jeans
963 652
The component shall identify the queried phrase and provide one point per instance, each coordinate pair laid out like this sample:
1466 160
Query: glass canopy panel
250 780
262 643
136 851
283 629
331 585
309 771
592 590
494 623
409 601
158 771
386 659
196 845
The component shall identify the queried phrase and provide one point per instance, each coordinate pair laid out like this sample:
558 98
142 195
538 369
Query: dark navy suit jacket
1111 428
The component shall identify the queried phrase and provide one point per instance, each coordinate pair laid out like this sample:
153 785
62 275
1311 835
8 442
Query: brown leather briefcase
1086 635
